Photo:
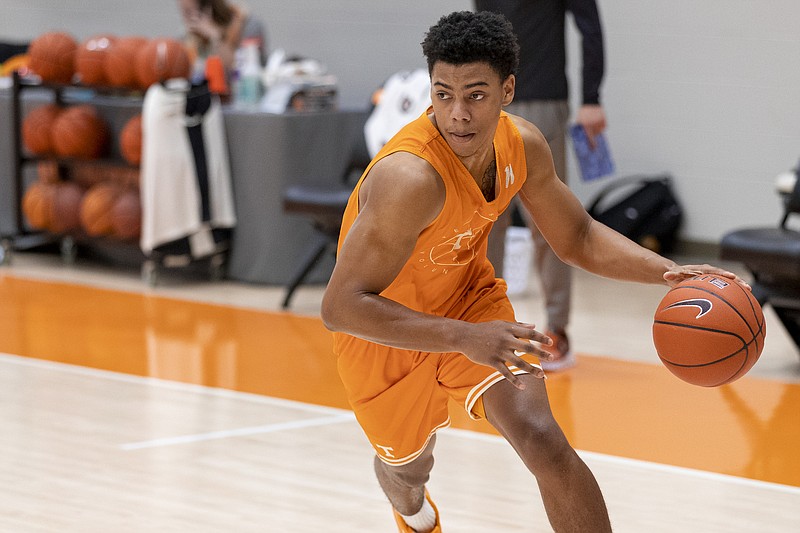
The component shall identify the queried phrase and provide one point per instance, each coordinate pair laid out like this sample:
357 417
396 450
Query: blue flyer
594 163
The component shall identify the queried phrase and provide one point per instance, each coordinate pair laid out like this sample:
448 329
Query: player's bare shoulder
405 182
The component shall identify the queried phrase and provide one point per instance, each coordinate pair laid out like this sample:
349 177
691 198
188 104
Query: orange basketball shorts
400 397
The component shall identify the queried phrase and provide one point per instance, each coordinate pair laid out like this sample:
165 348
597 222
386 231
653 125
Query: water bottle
249 88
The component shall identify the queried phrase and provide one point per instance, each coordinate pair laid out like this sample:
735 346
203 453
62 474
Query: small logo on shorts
387 451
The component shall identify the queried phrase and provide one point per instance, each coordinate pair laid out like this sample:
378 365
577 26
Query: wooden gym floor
201 406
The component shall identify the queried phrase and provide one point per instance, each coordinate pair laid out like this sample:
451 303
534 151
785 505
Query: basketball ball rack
25 238
116 251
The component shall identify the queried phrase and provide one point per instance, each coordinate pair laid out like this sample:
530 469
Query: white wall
706 90
709 91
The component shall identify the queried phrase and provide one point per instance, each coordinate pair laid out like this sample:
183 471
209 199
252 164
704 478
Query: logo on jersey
701 303
509 176
460 248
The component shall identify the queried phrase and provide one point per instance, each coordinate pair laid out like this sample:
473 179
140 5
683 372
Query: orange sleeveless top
448 268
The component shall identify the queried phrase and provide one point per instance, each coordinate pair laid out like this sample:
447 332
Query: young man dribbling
417 313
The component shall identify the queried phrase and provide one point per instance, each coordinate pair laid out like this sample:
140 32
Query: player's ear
508 89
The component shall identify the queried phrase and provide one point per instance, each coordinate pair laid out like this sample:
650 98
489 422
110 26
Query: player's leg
570 493
404 485
399 405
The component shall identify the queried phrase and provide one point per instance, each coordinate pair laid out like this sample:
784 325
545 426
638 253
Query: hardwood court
135 411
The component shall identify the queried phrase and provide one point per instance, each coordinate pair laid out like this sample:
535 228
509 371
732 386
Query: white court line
239 432
462 433
169 385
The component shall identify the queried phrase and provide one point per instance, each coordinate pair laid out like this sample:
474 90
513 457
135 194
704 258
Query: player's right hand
499 344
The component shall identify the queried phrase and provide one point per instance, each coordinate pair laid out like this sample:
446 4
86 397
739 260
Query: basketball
90 60
96 206
130 140
119 61
65 209
709 330
37 204
126 215
37 129
161 59
80 132
52 56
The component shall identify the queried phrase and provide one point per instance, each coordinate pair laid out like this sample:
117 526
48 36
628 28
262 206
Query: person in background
218 28
542 97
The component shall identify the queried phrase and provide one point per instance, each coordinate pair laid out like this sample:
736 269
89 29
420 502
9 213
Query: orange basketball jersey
449 260
400 397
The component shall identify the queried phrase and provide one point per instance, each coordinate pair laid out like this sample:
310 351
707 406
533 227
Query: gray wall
707 91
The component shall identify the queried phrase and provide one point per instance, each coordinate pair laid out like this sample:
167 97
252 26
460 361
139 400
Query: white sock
424 520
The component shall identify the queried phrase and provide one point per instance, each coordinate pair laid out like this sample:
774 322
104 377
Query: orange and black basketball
37 128
162 59
90 59
52 56
709 330
96 206
120 62
37 204
66 207
80 132
126 215
130 140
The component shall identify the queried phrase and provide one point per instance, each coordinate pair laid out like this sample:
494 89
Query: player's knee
414 474
543 446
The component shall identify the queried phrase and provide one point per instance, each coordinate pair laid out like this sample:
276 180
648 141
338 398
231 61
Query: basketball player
417 312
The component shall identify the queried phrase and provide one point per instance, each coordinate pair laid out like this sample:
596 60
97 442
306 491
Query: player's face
467 100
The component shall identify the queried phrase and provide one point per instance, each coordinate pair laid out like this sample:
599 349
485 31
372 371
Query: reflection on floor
626 405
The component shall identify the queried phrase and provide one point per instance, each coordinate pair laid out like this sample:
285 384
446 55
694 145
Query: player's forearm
377 319
607 253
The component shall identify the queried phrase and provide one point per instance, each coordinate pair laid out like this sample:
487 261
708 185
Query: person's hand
593 119
679 273
202 23
499 344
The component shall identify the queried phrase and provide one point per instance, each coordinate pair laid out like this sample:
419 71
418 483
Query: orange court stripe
635 410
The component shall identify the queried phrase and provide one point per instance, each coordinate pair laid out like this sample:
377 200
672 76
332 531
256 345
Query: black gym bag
643 208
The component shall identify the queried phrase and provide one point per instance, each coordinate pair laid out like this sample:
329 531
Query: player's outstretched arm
401 196
580 240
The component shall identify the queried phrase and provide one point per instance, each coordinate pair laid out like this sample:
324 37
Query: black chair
772 255
324 207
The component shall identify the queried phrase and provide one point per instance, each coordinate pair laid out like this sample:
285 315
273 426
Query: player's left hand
679 273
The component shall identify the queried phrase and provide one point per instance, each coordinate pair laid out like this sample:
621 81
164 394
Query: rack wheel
149 273
5 252
69 250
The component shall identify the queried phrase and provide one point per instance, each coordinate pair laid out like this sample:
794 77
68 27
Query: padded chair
324 207
772 255
403 97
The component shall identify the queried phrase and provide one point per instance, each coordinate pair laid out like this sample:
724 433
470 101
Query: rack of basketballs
87 181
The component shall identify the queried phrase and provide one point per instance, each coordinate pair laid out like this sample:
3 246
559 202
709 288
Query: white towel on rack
170 192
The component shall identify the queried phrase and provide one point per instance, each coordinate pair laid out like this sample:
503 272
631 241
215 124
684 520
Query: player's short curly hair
468 37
